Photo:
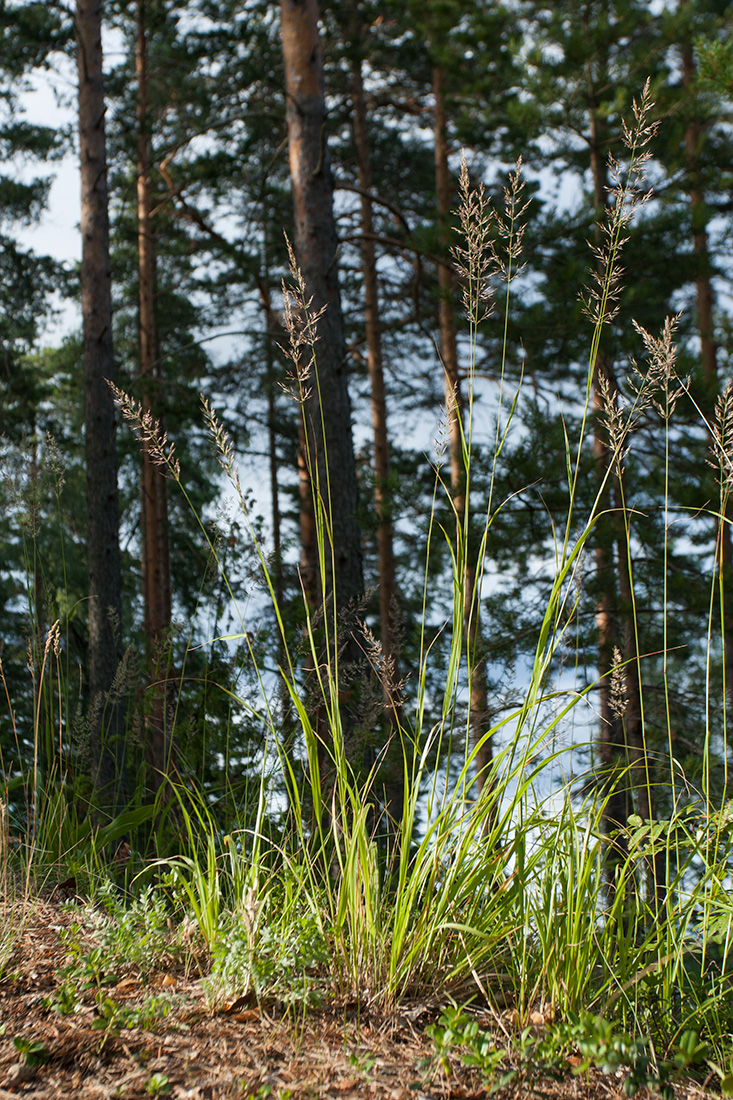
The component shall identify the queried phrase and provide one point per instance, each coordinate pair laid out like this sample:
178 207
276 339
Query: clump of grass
501 894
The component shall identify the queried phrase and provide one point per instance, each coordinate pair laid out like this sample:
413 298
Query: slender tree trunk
456 417
103 551
155 552
327 445
393 779
705 300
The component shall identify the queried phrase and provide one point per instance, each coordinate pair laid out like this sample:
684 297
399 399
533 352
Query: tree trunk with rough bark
455 407
327 452
103 551
156 577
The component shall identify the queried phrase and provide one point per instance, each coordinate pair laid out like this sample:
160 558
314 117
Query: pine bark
326 445
455 406
156 579
103 552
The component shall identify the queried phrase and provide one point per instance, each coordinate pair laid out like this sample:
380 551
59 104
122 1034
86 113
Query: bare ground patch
246 1051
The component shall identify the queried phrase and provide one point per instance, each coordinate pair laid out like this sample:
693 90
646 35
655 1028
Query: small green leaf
35 1052
158 1084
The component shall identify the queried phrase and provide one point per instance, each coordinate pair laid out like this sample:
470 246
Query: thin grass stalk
601 306
4 846
637 751
723 505
51 642
719 433
477 260
666 412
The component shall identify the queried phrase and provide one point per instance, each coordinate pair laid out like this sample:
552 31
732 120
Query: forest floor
242 1051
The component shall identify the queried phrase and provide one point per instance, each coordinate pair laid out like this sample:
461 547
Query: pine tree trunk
705 300
393 778
326 444
154 495
103 552
456 416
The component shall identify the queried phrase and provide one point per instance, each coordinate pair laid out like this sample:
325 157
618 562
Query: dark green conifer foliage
28 32
38 423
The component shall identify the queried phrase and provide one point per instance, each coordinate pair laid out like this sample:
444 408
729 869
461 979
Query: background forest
434 585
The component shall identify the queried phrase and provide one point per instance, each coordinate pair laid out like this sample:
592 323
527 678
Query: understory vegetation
507 879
